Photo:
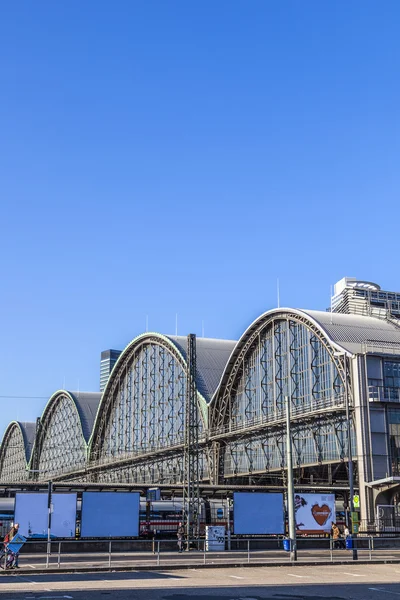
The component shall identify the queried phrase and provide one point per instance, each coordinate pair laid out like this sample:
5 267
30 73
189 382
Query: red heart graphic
321 513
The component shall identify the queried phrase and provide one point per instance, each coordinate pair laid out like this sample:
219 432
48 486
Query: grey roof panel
87 404
28 434
212 356
354 332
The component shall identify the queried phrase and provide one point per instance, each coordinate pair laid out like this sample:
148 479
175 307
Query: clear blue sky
163 157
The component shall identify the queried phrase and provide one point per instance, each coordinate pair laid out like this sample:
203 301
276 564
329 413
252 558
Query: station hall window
394 439
392 374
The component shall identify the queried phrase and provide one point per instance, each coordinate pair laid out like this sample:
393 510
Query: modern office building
107 362
339 370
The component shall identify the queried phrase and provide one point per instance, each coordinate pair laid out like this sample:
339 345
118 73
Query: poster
32 514
315 513
257 513
110 514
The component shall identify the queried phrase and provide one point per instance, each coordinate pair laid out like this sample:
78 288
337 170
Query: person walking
180 535
12 558
337 542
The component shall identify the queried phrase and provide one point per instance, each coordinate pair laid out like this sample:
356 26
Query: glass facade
393 417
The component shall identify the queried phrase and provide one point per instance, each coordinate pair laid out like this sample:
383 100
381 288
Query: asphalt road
355 582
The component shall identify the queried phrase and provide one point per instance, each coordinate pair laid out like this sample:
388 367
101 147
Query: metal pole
109 555
158 552
290 486
248 551
59 554
350 454
49 497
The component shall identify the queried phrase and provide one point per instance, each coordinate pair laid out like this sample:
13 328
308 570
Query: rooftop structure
352 296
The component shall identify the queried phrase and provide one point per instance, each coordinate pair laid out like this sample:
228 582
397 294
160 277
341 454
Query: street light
349 447
290 485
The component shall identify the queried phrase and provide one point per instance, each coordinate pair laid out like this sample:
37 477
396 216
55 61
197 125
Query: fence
120 554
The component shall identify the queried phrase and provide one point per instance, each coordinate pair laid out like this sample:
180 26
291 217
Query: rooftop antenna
176 324
202 329
278 293
147 323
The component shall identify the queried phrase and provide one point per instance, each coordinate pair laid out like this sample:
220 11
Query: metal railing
126 554
383 394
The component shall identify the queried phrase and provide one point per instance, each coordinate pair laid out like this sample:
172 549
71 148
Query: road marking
299 576
32 566
386 591
353 574
48 597
236 577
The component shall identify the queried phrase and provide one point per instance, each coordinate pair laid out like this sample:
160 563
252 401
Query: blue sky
163 157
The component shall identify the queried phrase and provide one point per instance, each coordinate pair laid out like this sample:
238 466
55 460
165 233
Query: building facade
339 371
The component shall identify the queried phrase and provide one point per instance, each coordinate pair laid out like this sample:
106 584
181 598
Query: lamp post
290 486
349 447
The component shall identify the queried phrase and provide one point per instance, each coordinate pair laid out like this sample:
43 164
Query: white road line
386 591
236 577
299 576
353 574
32 566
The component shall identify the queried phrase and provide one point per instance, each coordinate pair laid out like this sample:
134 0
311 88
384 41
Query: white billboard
258 513
32 513
314 512
63 516
110 514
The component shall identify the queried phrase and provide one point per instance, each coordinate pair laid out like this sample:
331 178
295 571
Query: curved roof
28 431
211 358
354 332
87 404
350 333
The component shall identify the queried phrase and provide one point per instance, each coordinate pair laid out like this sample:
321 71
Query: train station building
339 370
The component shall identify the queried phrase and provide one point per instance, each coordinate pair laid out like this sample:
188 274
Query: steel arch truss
60 442
315 442
142 413
13 465
285 355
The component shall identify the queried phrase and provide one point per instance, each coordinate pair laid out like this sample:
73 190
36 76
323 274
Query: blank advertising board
63 516
257 513
32 513
315 513
110 514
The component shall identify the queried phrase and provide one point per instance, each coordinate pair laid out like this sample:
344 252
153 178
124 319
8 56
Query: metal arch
79 447
220 403
13 465
109 397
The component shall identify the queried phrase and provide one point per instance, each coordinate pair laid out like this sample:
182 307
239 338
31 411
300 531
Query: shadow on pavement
110 590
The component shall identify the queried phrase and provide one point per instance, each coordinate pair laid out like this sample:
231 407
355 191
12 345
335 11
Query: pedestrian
12 558
180 533
346 532
337 542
